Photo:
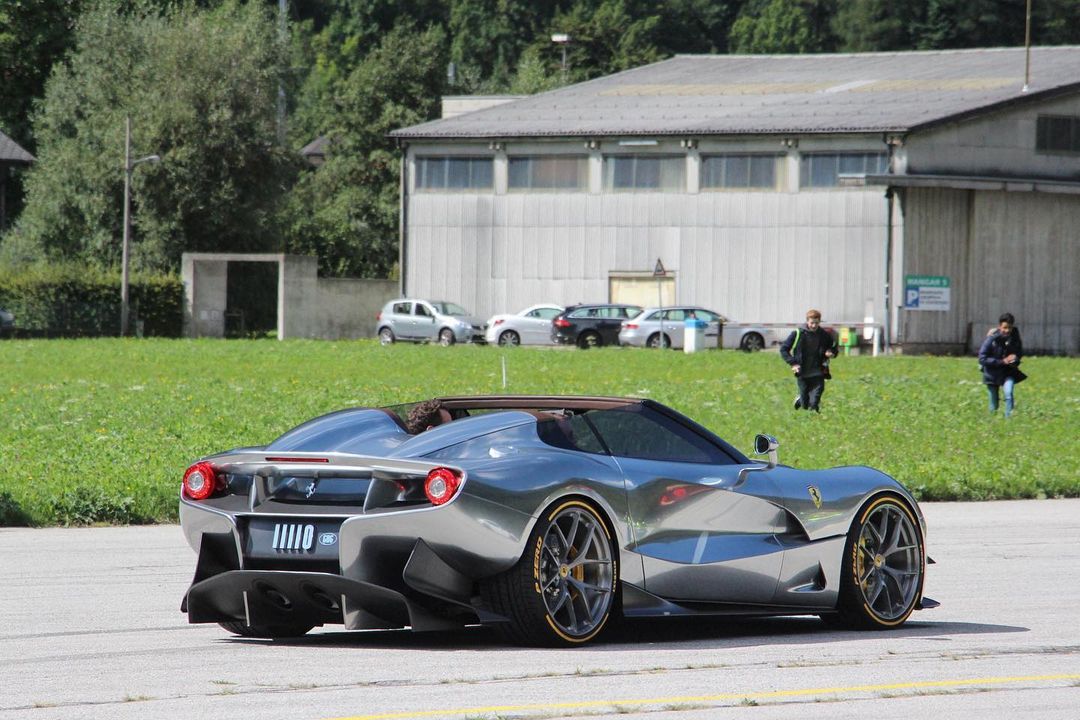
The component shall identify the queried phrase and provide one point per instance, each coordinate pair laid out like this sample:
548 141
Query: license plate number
293 538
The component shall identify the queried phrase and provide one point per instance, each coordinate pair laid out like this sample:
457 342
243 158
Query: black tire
752 342
884 565
266 631
658 340
570 566
589 339
386 336
446 337
509 338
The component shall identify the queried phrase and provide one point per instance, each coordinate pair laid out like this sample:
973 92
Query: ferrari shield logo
815 495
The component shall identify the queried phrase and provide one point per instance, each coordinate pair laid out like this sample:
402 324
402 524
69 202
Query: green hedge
74 301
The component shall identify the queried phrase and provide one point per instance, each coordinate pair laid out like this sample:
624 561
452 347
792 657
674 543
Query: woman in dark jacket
999 358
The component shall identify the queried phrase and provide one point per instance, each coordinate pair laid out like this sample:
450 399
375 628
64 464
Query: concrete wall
347 307
308 306
204 276
997 144
1003 251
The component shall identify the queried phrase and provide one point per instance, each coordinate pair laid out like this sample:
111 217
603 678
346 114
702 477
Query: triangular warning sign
659 270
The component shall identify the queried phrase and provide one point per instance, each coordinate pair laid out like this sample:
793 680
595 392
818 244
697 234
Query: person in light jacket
999 358
807 350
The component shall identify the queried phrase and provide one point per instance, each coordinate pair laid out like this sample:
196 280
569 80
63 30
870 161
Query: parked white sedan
531 326
664 327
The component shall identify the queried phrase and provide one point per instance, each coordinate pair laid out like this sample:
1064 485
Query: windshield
449 308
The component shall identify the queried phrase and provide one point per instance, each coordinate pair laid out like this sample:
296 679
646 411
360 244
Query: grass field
102 430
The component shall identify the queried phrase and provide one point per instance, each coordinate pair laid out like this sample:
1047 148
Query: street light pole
125 306
562 39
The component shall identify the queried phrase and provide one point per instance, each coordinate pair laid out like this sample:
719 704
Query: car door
423 321
400 319
609 323
712 330
536 325
674 326
703 533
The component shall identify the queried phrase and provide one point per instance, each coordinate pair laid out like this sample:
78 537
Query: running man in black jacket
807 350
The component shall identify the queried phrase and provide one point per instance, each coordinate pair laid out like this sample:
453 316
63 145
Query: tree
605 37
1056 22
201 88
330 40
346 211
488 38
971 23
33 35
776 26
696 26
876 25
535 74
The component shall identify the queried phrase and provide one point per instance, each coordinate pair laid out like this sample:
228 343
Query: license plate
293 538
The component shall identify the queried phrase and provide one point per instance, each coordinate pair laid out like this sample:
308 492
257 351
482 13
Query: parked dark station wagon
591 325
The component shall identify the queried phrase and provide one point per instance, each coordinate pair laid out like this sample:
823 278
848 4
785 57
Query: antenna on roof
1027 48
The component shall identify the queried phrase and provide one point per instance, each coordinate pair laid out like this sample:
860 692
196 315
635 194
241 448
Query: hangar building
928 190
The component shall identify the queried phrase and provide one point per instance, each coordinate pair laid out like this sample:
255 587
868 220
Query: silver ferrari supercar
543 517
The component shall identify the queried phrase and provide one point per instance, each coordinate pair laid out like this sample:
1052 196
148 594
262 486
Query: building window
660 173
453 173
548 173
739 170
1057 134
824 169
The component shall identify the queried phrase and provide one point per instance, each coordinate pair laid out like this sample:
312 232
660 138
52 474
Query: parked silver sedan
531 326
426 321
664 327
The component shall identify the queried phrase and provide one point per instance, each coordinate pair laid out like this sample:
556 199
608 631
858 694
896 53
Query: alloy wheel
576 572
888 564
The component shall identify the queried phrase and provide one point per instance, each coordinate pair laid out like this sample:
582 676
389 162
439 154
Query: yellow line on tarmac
714 698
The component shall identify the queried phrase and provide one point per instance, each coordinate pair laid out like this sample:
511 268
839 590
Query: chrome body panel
690 536
709 541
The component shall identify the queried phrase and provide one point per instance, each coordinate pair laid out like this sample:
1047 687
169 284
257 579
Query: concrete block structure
307 306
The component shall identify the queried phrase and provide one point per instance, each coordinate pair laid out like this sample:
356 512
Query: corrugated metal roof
768 94
10 151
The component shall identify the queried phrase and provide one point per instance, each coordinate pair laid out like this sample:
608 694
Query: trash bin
693 335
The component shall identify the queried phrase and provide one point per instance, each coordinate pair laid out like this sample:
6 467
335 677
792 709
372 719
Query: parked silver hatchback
427 321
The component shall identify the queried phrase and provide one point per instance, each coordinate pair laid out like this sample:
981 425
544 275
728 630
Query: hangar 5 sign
926 292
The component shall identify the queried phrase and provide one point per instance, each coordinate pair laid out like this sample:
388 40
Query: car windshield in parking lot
449 308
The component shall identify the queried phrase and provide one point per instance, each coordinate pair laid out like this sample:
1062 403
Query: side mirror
767 444
764 444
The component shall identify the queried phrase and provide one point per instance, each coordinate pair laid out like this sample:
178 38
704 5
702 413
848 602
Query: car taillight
561 322
440 486
500 321
200 481
378 316
630 326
